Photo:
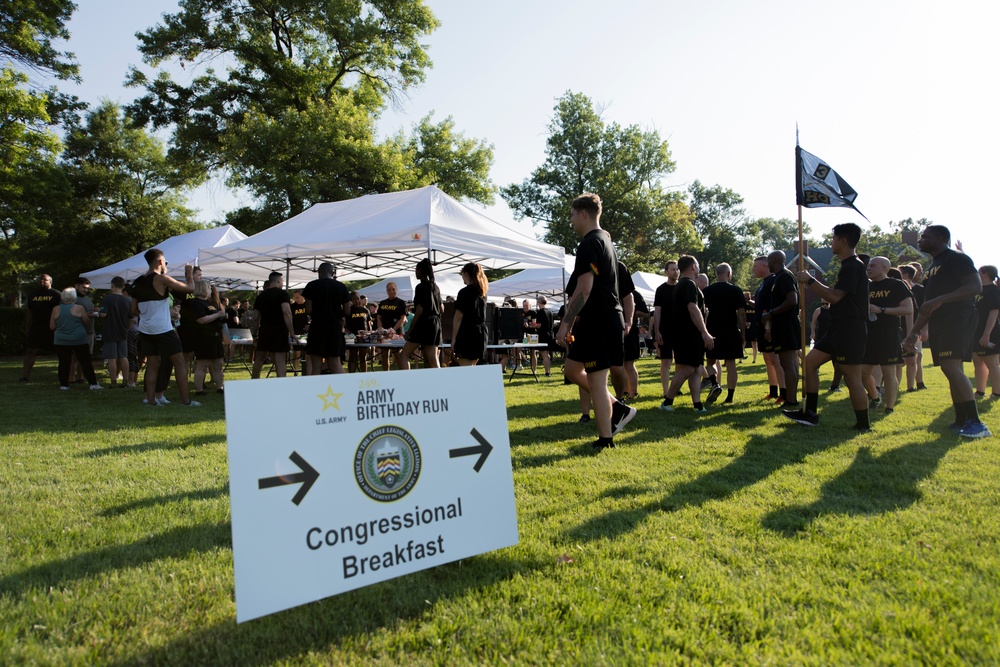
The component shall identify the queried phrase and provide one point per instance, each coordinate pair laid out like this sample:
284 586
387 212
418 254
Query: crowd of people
872 325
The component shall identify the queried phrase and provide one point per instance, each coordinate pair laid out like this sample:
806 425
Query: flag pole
802 307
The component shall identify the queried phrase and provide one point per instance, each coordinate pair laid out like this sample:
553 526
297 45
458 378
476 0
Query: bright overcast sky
898 97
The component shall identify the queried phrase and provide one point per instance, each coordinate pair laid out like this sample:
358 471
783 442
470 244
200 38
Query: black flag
817 184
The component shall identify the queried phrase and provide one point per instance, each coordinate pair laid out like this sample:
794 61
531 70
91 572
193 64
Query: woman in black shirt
469 327
425 329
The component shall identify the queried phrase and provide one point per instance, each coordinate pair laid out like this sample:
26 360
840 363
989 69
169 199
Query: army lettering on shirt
299 317
887 293
389 312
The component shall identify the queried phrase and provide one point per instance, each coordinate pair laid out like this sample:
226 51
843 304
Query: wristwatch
883 310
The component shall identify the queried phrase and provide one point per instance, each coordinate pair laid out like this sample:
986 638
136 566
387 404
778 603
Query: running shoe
713 394
666 407
621 415
974 430
802 417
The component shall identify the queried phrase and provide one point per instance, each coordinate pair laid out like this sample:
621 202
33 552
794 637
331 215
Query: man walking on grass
727 323
844 341
949 310
782 326
690 334
594 314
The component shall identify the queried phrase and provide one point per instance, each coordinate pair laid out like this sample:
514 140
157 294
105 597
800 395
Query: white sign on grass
342 481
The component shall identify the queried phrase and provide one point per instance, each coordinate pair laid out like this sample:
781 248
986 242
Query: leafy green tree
127 195
624 165
877 241
28 150
293 117
724 228
27 31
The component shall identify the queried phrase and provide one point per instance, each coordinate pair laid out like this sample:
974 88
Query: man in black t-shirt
782 327
762 303
36 322
727 322
690 335
391 314
663 304
949 312
328 303
844 342
273 321
594 315
888 301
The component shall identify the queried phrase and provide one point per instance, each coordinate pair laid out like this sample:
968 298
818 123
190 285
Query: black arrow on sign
308 477
483 450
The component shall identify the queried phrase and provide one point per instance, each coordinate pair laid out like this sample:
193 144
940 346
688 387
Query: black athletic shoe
802 417
24 380
713 394
584 419
599 444
621 415
862 428
874 402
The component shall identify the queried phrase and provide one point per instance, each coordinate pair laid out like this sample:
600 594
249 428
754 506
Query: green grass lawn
735 537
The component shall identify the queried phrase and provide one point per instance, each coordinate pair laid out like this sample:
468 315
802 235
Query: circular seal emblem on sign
387 463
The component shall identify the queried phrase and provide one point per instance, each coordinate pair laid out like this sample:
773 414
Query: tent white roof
548 281
448 283
646 284
179 250
380 235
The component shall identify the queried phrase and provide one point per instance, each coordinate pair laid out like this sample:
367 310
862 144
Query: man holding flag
844 342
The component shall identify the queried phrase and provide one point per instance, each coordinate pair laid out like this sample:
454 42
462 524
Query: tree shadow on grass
156 445
143 503
761 457
870 485
318 627
175 543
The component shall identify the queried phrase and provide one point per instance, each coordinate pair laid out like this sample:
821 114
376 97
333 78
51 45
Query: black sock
971 411
783 394
980 394
711 378
668 400
604 442
698 405
812 403
960 417
862 417
729 395
921 385
774 391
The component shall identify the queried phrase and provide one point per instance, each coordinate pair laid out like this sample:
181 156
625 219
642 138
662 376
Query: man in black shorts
844 342
36 324
273 320
782 326
594 314
888 300
690 335
762 304
328 303
727 322
949 310
663 304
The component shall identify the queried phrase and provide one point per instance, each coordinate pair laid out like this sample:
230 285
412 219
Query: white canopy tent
532 282
646 284
381 235
178 250
448 283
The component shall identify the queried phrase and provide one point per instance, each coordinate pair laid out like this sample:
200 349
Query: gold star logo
330 399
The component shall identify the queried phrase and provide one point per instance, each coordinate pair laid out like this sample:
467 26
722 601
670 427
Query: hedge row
12 331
